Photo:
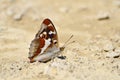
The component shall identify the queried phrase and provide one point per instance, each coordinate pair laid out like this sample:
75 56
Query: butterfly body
48 55
44 46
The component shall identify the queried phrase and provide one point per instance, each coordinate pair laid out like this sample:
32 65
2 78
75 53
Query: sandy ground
95 25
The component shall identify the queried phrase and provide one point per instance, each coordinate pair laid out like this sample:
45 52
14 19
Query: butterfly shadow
62 57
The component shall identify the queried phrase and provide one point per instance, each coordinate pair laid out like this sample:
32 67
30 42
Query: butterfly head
62 48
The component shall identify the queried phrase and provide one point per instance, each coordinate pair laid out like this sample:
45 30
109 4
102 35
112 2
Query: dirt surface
95 25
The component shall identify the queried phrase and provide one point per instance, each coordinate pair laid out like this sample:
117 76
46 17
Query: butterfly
45 46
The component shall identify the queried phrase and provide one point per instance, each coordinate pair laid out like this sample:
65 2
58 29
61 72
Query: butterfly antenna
66 43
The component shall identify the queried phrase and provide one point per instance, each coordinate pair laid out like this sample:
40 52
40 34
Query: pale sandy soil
94 55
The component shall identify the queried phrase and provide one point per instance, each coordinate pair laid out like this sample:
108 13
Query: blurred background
68 16
95 25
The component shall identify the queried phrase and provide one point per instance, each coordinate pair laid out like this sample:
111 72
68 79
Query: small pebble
108 47
18 17
112 55
103 16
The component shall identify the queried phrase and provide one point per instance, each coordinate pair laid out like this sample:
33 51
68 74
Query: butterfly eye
62 48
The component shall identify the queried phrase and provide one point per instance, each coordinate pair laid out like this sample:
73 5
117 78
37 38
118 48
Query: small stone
108 47
103 16
18 17
112 55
